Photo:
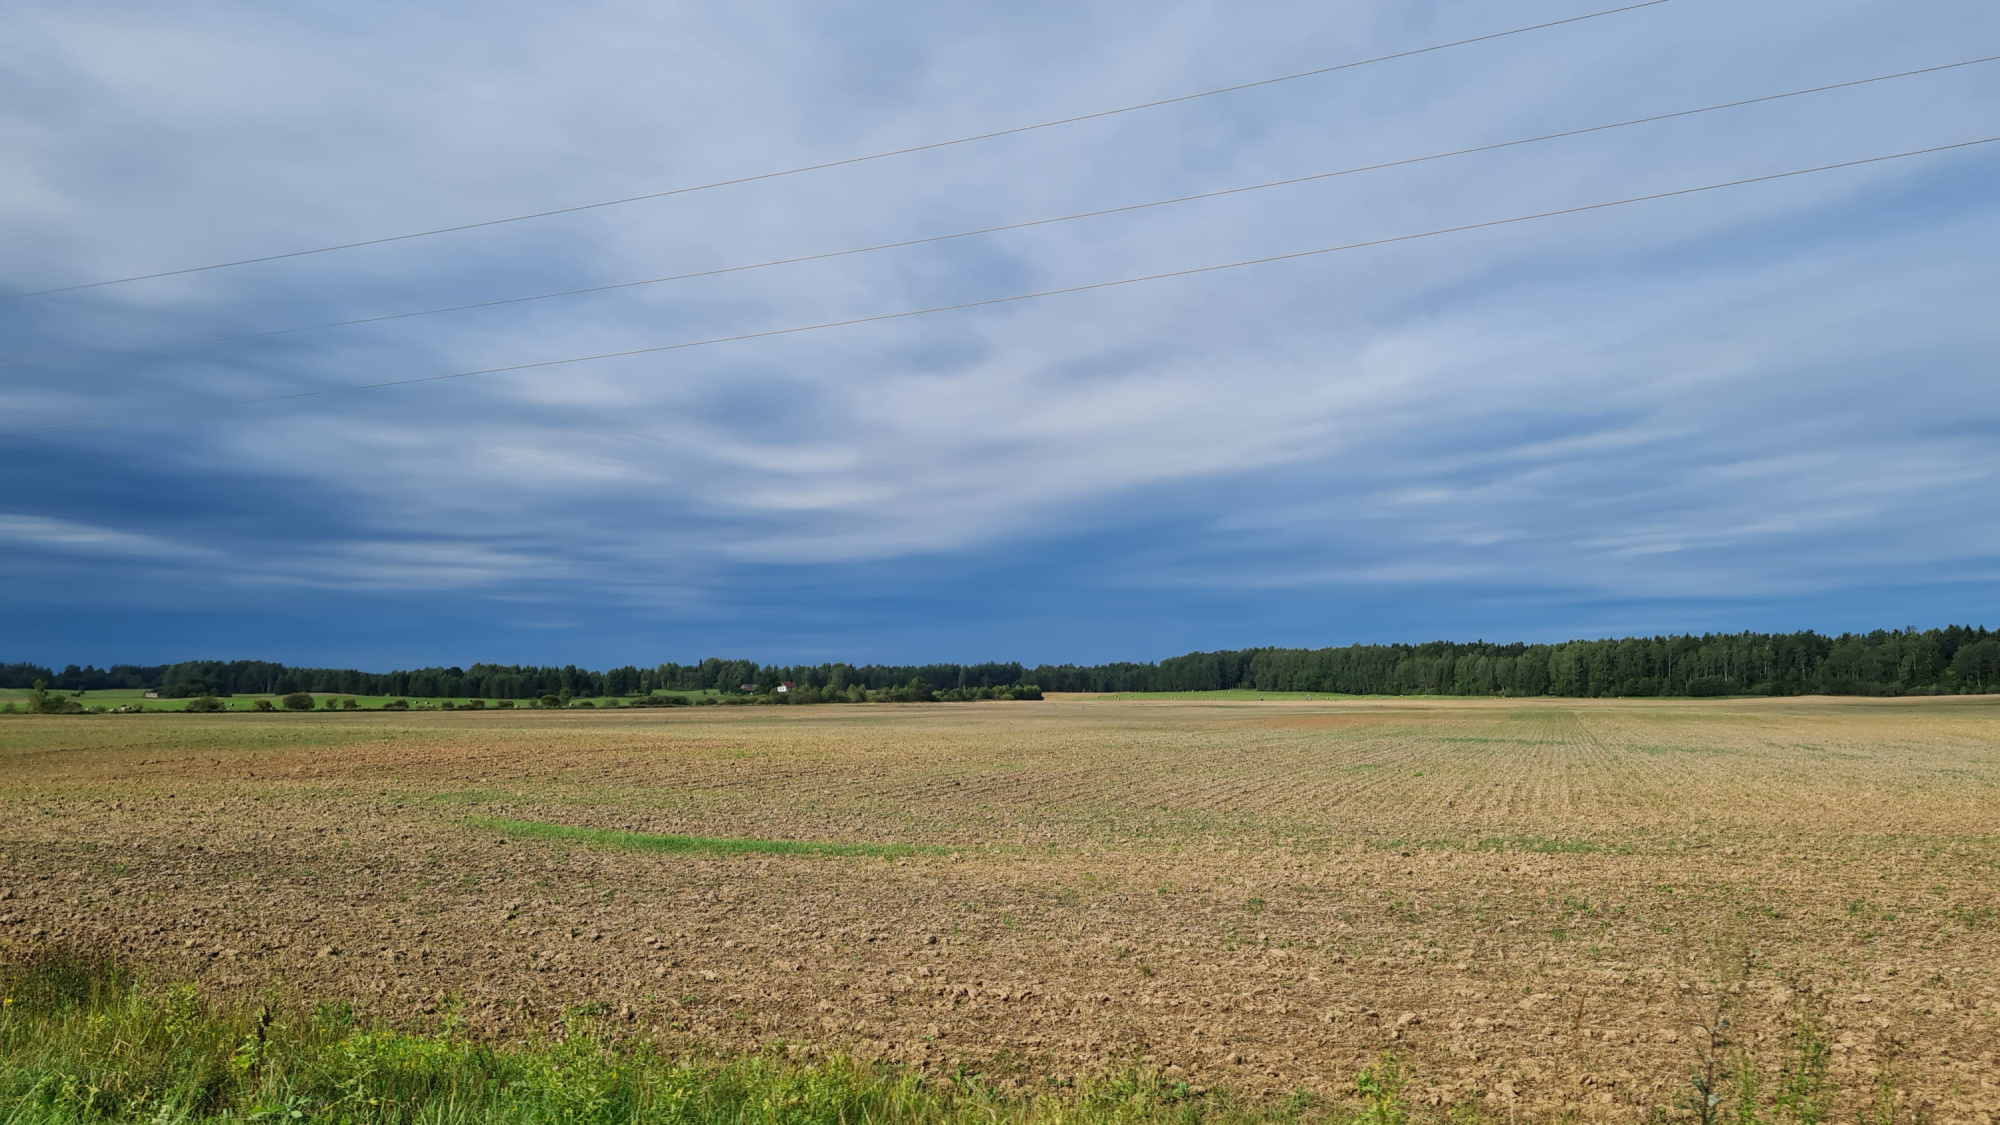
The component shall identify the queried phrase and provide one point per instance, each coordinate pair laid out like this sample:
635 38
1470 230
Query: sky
1769 406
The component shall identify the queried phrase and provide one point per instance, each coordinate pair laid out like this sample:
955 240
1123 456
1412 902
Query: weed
1803 1094
1971 917
1705 1100
1381 1088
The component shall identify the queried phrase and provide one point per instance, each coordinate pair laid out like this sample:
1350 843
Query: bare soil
1535 904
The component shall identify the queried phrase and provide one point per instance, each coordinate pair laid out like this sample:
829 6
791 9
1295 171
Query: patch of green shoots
710 845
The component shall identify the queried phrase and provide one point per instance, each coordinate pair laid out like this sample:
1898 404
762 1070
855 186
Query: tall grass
79 1042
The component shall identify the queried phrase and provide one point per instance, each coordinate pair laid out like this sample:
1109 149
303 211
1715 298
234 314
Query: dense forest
1957 659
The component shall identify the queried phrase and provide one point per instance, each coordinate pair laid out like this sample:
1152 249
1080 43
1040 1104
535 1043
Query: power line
933 145
1026 224
990 301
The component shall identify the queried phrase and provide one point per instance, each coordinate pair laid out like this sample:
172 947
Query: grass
80 1042
654 842
1237 694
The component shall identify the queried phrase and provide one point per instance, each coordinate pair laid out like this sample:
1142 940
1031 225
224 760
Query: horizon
1026 666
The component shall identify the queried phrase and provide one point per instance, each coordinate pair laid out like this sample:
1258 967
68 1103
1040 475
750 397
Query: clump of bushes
1010 691
43 703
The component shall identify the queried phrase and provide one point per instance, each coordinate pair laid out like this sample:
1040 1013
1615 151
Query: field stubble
1535 904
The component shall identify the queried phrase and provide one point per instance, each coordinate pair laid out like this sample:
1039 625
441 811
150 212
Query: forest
1951 660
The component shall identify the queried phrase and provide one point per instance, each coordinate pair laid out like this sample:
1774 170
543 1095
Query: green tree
1978 664
42 703
298 701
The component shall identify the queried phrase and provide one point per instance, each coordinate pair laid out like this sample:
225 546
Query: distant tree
396 705
206 703
22 675
1978 664
264 705
298 701
552 700
350 704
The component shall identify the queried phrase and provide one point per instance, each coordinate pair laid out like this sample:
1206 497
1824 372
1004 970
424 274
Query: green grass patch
1546 845
710 845
1236 694
80 1042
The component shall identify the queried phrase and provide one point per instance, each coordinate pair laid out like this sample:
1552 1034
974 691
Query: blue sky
1774 406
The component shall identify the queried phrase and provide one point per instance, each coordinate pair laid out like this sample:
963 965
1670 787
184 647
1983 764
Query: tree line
1951 660
194 678
1954 659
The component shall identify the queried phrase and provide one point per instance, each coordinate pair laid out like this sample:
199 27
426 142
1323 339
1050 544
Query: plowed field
1536 905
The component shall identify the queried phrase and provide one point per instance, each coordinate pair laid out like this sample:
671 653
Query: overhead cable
928 147
1016 297
1029 223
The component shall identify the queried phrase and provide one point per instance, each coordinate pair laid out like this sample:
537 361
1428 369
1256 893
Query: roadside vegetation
82 1041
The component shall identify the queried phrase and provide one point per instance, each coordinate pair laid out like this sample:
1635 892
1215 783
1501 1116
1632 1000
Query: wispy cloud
1770 391
71 537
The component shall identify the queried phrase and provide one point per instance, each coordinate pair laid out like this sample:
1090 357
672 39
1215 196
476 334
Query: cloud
72 538
1745 391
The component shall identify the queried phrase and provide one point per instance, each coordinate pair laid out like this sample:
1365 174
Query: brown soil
1539 900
